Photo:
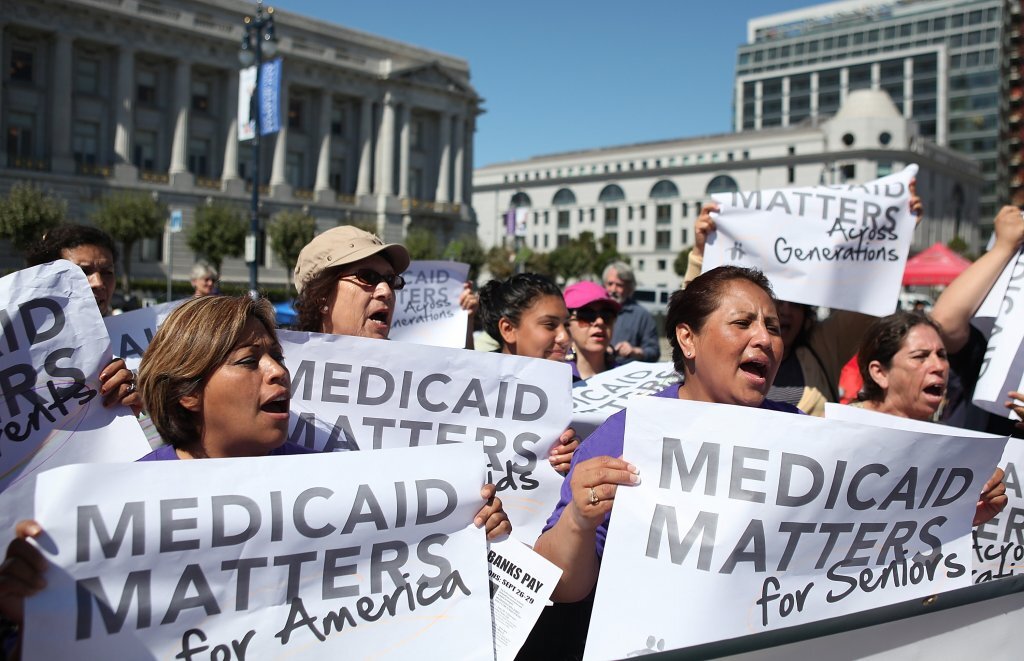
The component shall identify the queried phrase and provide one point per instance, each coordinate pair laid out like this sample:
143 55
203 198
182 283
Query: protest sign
1002 368
131 332
986 314
352 393
607 392
350 555
427 309
54 346
521 584
841 246
777 519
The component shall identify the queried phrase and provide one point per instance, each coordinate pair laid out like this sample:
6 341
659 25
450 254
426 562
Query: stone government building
142 95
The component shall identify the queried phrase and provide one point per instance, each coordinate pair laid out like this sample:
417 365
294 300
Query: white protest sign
987 312
427 310
841 246
352 393
54 346
350 555
777 519
521 583
131 332
1002 368
607 393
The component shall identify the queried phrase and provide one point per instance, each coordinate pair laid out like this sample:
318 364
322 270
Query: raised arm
963 296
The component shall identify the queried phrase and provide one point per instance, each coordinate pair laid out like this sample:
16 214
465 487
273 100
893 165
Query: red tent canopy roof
936 265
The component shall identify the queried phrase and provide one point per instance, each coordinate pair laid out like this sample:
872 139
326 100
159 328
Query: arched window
520 199
723 183
611 193
563 197
664 188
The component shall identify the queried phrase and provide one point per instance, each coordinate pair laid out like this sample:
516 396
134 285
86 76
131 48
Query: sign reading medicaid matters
836 246
1002 368
351 555
777 519
607 393
427 309
352 393
131 332
53 346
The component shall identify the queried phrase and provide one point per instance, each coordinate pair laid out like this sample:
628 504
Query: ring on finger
594 500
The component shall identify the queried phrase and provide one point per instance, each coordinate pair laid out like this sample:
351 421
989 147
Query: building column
785 100
467 162
405 118
876 75
124 169
322 187
443 193
61 160
458 139
365 152
229 169
385 184
758 103
814 94
279 185
844 84
179 146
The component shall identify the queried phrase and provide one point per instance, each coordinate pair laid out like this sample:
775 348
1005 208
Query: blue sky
569 74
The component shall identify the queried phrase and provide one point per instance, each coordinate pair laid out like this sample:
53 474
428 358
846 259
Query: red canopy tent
937 265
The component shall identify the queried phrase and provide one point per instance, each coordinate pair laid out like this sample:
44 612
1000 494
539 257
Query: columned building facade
647 196
142 95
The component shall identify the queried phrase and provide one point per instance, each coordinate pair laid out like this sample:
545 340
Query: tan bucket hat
343 245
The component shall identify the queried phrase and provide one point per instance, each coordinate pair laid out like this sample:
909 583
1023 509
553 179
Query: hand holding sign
21 574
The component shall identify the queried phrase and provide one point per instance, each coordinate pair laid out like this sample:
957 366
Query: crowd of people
732 342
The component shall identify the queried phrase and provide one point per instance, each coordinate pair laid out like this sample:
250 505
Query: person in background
592 319
204 279
636 334
525 314
93 251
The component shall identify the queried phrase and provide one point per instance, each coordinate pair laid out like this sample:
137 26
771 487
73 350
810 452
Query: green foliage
500 262
128 218
217 232
607 253
289 232
583 256
538 262
27 213
422 244
682 260
467 250
959 246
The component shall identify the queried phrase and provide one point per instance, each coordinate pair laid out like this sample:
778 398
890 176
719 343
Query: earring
324 309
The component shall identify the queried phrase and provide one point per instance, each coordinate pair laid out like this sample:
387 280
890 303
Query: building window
20 127
144 151
535 237
580 215
87 75
683 237
199 157
629 213
85 141
640 264
563 220
294 167
662 264
295 117
848 172
643 237
145 87
337 175
790 174
563 197
684 209
611 193
337 122
662 239
643 212
545 240
612 238
201 95
21 65
563 240
547 218
629 238
611 216
663 214
151 249
592 215
663 189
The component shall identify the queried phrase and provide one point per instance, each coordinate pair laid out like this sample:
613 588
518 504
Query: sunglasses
371 278
590 315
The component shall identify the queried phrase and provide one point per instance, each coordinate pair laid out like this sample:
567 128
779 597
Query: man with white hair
635 336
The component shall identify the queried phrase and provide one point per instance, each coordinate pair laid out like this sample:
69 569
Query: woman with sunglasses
592 314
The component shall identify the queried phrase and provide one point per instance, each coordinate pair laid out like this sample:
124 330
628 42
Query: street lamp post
257 42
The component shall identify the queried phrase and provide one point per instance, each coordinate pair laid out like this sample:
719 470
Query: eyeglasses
371 278
590 315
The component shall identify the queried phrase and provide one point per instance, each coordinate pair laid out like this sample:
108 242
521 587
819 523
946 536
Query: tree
422 244
959 246
289 232
575 259
500 262
27 213
682 261
607 253
129 218
218 232
467 250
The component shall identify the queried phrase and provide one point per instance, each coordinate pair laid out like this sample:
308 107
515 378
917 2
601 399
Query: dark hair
810 321
510 298
881 341
67 237
692 306
316 291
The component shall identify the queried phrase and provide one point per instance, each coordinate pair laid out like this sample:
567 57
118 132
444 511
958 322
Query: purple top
165 452
606 441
